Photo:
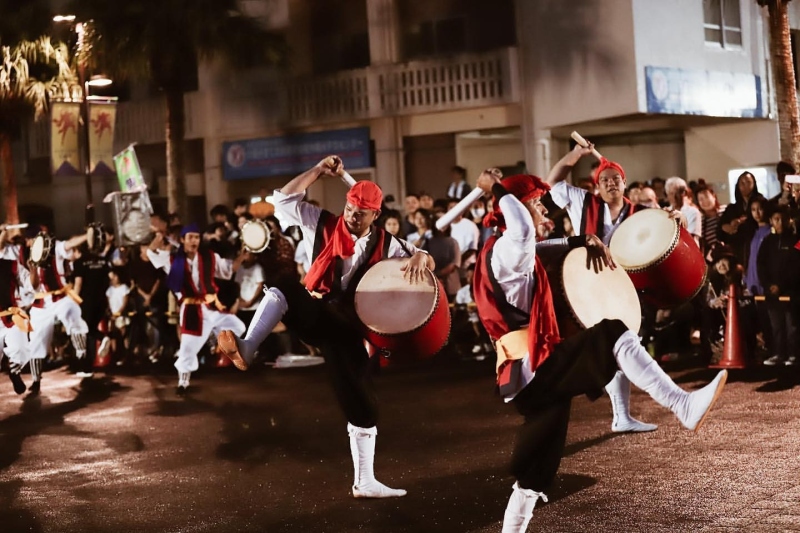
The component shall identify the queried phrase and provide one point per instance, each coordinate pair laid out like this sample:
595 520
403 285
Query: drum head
37 249
388 304
255 236
594 296
643 239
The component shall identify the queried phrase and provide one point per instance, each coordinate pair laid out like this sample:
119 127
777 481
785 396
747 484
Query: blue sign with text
677 91
294 154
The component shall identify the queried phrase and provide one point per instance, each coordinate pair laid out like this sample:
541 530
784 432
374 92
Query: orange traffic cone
732 356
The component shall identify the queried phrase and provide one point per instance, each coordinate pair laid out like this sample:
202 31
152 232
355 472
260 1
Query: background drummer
54 299
342 249
599 214
537 371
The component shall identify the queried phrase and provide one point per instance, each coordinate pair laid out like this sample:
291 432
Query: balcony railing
459 82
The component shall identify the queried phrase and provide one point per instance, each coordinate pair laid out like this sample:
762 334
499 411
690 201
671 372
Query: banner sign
293 154
677 91
64 153
102 116
129 173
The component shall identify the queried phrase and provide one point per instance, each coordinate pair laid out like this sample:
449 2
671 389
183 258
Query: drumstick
581 141
16 226
347 179
459 208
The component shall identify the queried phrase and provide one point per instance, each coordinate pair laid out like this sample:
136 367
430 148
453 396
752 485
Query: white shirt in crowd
414 237
296 212
572 198
694 219
466 234
250 280
301 256
116 297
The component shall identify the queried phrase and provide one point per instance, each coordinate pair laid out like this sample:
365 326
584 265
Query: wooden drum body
661 257
583 297
399 316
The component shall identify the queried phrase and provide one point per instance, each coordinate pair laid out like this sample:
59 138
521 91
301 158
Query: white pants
17 347
213 321
43 320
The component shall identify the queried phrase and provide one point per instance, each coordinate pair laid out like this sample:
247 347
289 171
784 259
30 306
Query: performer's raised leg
691 408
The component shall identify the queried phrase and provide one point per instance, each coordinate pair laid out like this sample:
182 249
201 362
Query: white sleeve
61 251
516 249
223 268
396 248
160 259
294 211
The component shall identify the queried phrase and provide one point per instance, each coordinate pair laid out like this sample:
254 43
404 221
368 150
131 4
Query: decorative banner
64 154
129 173
102 116
292 154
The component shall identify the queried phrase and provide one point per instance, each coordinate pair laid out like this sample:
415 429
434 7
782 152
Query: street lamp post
93 81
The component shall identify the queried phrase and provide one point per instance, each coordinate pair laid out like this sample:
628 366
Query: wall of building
713 150
579 60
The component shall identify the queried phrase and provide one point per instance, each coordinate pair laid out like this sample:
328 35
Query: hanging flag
102 116
129 173
64 153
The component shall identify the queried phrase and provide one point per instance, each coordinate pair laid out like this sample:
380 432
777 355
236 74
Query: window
722 22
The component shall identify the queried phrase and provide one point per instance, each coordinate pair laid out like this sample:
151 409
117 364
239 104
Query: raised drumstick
343 174
581 141
459 208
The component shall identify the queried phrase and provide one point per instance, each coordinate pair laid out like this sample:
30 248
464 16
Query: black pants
329 326
582 364
92 314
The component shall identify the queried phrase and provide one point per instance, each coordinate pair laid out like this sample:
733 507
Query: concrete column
536 141
384 32
389 156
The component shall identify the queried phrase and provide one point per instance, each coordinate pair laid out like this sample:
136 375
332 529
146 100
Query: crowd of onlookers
749 244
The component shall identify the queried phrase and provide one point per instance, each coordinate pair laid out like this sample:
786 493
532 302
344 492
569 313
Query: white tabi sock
183 379
520 509
362 448
690 408
619 390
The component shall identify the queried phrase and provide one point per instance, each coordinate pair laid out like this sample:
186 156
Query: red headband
606 164
365 195
524 187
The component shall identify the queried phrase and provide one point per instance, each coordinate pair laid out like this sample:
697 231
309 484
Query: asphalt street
267 451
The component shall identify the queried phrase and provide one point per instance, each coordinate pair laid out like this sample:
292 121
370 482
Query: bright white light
63 18
255 199
99 81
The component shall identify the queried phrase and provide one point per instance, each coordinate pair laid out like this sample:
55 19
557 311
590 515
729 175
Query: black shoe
19 385
35 386
182 390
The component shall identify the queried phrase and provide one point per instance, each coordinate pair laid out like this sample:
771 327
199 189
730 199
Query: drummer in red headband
537 371
600 214
342 249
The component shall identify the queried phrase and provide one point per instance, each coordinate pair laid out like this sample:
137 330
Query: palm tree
159 41
780 45
31 73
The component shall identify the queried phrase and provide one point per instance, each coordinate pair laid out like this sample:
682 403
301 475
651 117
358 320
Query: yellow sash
67 289
511 346
19 317
208 299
